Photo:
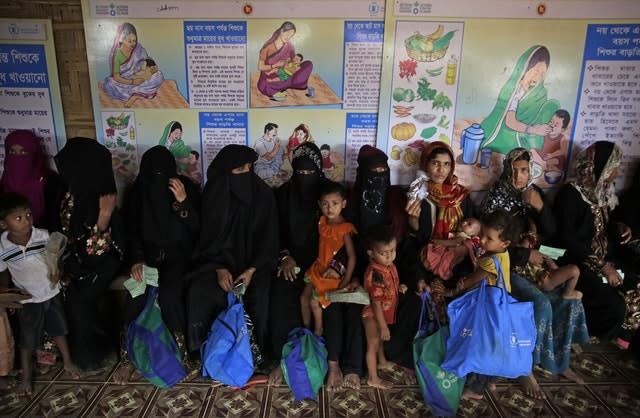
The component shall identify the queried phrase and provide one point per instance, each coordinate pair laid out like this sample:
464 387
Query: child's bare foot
276 377
25 389
379 383
577 348
334 379
530 386
351 381
571 375
573 294
123 373
469 394
7 382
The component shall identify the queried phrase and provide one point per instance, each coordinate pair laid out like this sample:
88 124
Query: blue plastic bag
151 347
304 363
441 390
226 354
491 333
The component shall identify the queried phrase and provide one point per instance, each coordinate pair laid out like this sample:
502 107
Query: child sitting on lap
549 276
381 281
498 231
440 256
22 253
335 233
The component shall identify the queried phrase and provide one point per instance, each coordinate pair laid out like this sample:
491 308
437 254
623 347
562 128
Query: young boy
381 281
22 253
498 231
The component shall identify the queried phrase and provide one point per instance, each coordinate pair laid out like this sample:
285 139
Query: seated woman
163 224
26 171
560 322
238 243
276 53
435 217
127 59
90 220
522 113
582 209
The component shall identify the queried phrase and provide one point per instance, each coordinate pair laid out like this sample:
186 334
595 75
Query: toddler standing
22 250
382 284
335 233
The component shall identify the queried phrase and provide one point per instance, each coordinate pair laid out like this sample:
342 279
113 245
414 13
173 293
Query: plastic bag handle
425 296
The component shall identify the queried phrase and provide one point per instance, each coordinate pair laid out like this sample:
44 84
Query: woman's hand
531 197
422 287
136 272
613 278
536 258
541 130
246 277
225 279
625 233
287 268
177 188
403 288
414 208
106 204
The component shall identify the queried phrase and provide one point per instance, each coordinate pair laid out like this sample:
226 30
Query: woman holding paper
560 322
163 223
582 208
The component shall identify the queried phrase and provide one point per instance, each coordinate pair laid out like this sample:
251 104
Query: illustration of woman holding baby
133 73
276 53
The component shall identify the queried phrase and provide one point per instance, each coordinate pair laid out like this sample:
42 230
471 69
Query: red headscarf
26 173
447 196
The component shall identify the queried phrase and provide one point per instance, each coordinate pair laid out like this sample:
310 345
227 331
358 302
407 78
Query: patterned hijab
447 196
503 194
594 166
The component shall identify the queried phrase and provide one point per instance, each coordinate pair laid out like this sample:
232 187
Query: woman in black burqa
238 242
90 220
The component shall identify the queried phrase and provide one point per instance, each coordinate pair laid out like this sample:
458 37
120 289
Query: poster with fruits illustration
424 88
120 140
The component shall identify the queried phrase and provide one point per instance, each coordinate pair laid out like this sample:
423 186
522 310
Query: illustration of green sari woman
172 139
522 113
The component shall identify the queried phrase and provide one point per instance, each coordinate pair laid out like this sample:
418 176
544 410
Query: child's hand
422 286
403 288
331 274
385 335
461 285
177 188
136 272
353 285
550 263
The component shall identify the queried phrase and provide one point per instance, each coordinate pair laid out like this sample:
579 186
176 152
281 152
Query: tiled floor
612 389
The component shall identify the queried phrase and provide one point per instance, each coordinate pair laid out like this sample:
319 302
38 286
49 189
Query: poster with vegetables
120 139
424 88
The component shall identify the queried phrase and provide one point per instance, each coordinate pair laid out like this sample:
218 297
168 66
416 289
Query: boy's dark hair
503 222
10 202
379 234
196 153
269 127
565 116
325 147
301 57
330 187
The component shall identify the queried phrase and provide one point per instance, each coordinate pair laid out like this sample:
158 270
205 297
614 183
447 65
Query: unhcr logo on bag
515 342
466 332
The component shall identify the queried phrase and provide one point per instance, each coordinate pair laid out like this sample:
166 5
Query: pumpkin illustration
403 131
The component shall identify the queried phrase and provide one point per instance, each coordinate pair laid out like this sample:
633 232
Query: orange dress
331 241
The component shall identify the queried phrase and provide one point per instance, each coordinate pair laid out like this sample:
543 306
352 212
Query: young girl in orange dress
335 233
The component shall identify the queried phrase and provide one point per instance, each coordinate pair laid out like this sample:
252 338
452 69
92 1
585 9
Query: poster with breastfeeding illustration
424 89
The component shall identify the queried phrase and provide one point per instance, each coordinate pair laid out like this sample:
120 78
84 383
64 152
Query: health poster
609 95
29 87
188 69
424 89
360 131
120 140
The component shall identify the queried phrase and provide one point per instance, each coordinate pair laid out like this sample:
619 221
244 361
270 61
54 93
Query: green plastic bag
440 389
304 363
